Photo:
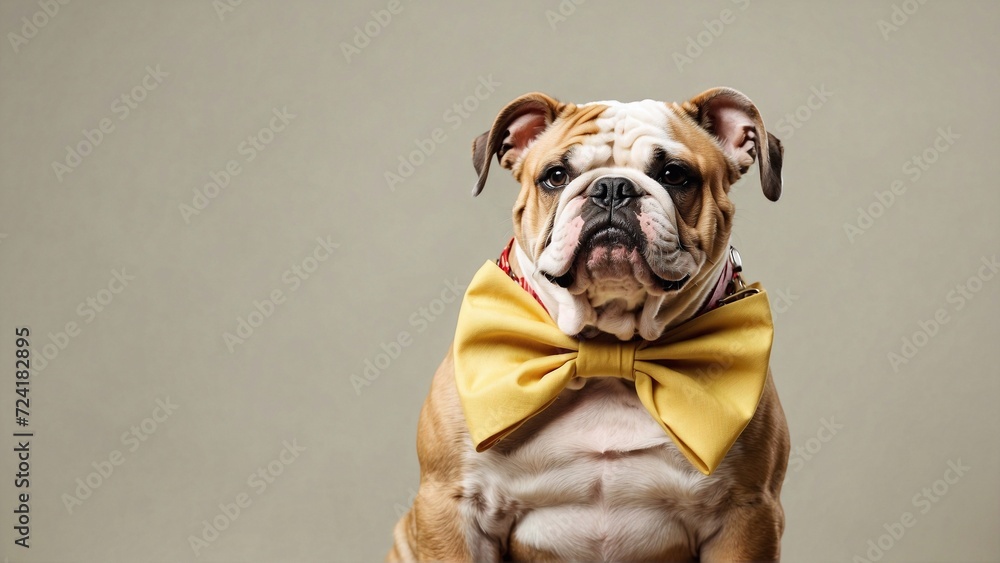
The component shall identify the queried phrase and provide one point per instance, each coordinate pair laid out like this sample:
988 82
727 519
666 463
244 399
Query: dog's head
623 220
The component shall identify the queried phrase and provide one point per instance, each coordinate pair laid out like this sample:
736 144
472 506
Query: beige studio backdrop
198 230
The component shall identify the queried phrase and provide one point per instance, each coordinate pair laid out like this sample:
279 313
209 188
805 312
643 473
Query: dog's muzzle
611 241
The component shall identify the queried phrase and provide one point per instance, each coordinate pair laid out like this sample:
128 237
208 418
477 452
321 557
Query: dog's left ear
517 124
733 119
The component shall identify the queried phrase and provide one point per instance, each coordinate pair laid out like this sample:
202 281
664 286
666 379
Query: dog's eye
675 176
556 178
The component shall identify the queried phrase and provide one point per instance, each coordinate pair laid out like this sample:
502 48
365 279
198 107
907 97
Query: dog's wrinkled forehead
627 135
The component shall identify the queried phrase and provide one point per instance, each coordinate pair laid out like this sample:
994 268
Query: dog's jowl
608 396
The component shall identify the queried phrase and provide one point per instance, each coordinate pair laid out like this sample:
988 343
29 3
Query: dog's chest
593 474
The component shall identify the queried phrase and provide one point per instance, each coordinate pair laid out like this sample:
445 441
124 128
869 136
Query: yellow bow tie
701 380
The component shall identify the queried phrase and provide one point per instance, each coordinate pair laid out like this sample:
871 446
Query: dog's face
623 219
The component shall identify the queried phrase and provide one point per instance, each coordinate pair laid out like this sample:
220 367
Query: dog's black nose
612 192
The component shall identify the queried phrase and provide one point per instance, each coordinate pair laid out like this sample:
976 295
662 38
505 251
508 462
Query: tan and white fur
622 228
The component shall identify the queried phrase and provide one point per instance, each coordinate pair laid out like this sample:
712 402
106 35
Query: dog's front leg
438 529
446 523
749 533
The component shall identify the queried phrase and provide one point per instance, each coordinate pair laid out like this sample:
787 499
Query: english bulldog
621 234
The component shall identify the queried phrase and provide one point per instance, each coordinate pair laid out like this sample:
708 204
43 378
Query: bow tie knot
606 359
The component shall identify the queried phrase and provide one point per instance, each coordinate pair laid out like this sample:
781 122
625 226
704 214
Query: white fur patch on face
623 302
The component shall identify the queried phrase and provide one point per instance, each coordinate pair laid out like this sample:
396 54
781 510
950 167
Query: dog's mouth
612 253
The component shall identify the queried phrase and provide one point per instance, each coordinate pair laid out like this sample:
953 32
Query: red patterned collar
504 263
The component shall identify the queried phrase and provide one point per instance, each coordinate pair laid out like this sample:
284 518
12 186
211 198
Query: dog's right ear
517 124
